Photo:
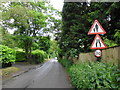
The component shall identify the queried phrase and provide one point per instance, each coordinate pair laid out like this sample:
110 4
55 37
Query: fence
110 55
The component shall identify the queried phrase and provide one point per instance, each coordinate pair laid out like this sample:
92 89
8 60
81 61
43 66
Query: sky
57 4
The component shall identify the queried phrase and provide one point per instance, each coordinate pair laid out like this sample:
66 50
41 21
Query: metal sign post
97 42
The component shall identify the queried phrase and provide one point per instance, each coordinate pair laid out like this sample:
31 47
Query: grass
8 72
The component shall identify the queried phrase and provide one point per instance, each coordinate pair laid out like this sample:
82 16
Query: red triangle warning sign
98 43
96 28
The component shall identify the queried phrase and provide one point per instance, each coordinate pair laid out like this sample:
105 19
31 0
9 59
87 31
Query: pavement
51 74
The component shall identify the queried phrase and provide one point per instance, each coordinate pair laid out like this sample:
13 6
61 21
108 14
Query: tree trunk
30 53
26 50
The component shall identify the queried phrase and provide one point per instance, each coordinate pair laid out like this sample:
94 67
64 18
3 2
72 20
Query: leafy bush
66 63
94 75
20 56
38 56
7 55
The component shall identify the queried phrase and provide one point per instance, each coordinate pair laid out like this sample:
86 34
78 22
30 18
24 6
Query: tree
74 32
78 17
28 22
6 38
108 16
54 49
42 43
32 20
117 36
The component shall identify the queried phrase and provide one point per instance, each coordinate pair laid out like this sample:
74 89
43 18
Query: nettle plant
94 75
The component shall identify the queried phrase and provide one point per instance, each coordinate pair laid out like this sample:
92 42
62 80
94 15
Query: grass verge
8 72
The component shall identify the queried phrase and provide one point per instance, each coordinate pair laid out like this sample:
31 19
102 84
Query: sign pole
98 59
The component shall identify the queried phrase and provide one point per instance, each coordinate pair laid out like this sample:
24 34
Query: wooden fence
109 55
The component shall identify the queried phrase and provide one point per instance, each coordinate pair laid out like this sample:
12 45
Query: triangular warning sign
96 28
98 43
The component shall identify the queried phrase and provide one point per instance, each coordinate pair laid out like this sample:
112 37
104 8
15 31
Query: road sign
98 53
98 43
96 28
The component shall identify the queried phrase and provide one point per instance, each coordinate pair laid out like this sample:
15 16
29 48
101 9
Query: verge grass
8 72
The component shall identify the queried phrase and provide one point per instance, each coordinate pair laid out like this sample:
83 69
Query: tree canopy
77 19
30 20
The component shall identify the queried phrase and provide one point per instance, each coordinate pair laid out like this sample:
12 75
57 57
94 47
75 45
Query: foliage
74 29
7 55
38 56
33 19
26 21
77 19
54 49
72 53
94 75
66 63
6 38
42 43
20 56
117 36
110 43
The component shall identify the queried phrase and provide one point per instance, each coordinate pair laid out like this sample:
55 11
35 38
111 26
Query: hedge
7 55
38 56
66 63
20 56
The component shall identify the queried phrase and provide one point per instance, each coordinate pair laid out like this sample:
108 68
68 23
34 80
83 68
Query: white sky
57 4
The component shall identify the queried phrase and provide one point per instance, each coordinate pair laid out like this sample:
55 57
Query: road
50 75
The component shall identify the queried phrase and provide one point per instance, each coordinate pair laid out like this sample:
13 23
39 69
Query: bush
94 75
66 63
7 56
20 56
38 56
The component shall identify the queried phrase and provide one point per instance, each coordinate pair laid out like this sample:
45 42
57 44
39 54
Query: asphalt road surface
50 75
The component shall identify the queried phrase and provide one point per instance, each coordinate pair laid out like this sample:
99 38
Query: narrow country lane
49 75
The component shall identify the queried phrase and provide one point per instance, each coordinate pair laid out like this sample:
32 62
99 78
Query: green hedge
66 63
38 56
20 56
7 55
95 75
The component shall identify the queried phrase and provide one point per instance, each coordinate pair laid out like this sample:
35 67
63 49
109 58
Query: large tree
77 19
30 20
